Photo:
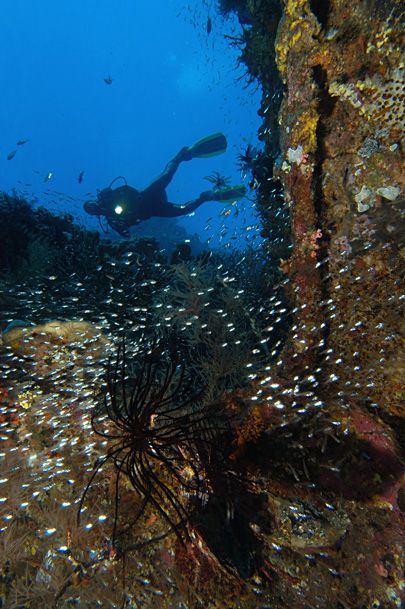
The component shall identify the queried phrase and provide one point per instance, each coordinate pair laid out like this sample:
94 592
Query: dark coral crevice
320 9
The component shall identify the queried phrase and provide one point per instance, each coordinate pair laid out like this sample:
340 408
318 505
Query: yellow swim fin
211 145
233 193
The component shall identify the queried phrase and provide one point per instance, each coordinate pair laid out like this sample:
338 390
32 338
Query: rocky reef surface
334 144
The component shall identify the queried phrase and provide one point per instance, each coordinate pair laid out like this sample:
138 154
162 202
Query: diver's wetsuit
125 206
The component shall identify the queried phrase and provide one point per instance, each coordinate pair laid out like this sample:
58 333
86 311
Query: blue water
172 83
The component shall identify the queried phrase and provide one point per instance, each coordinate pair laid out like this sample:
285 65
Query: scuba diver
126 206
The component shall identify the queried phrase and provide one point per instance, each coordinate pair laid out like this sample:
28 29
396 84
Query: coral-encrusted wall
341 125
340 135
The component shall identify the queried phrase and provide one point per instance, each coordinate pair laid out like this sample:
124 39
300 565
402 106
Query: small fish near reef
80 177
11 155
108 80
21 142
209 25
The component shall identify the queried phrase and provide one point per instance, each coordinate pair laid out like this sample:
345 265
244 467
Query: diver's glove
119 226
122 230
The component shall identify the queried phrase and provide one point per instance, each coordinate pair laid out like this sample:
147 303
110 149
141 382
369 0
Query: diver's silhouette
126 206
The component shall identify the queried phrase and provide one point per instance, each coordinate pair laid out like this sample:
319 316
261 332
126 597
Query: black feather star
247 158
154 431
219 181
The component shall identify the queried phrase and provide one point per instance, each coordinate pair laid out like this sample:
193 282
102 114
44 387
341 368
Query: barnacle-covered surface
291 494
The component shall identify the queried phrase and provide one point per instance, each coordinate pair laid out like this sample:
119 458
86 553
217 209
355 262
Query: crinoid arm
155 429
219 181
247 158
